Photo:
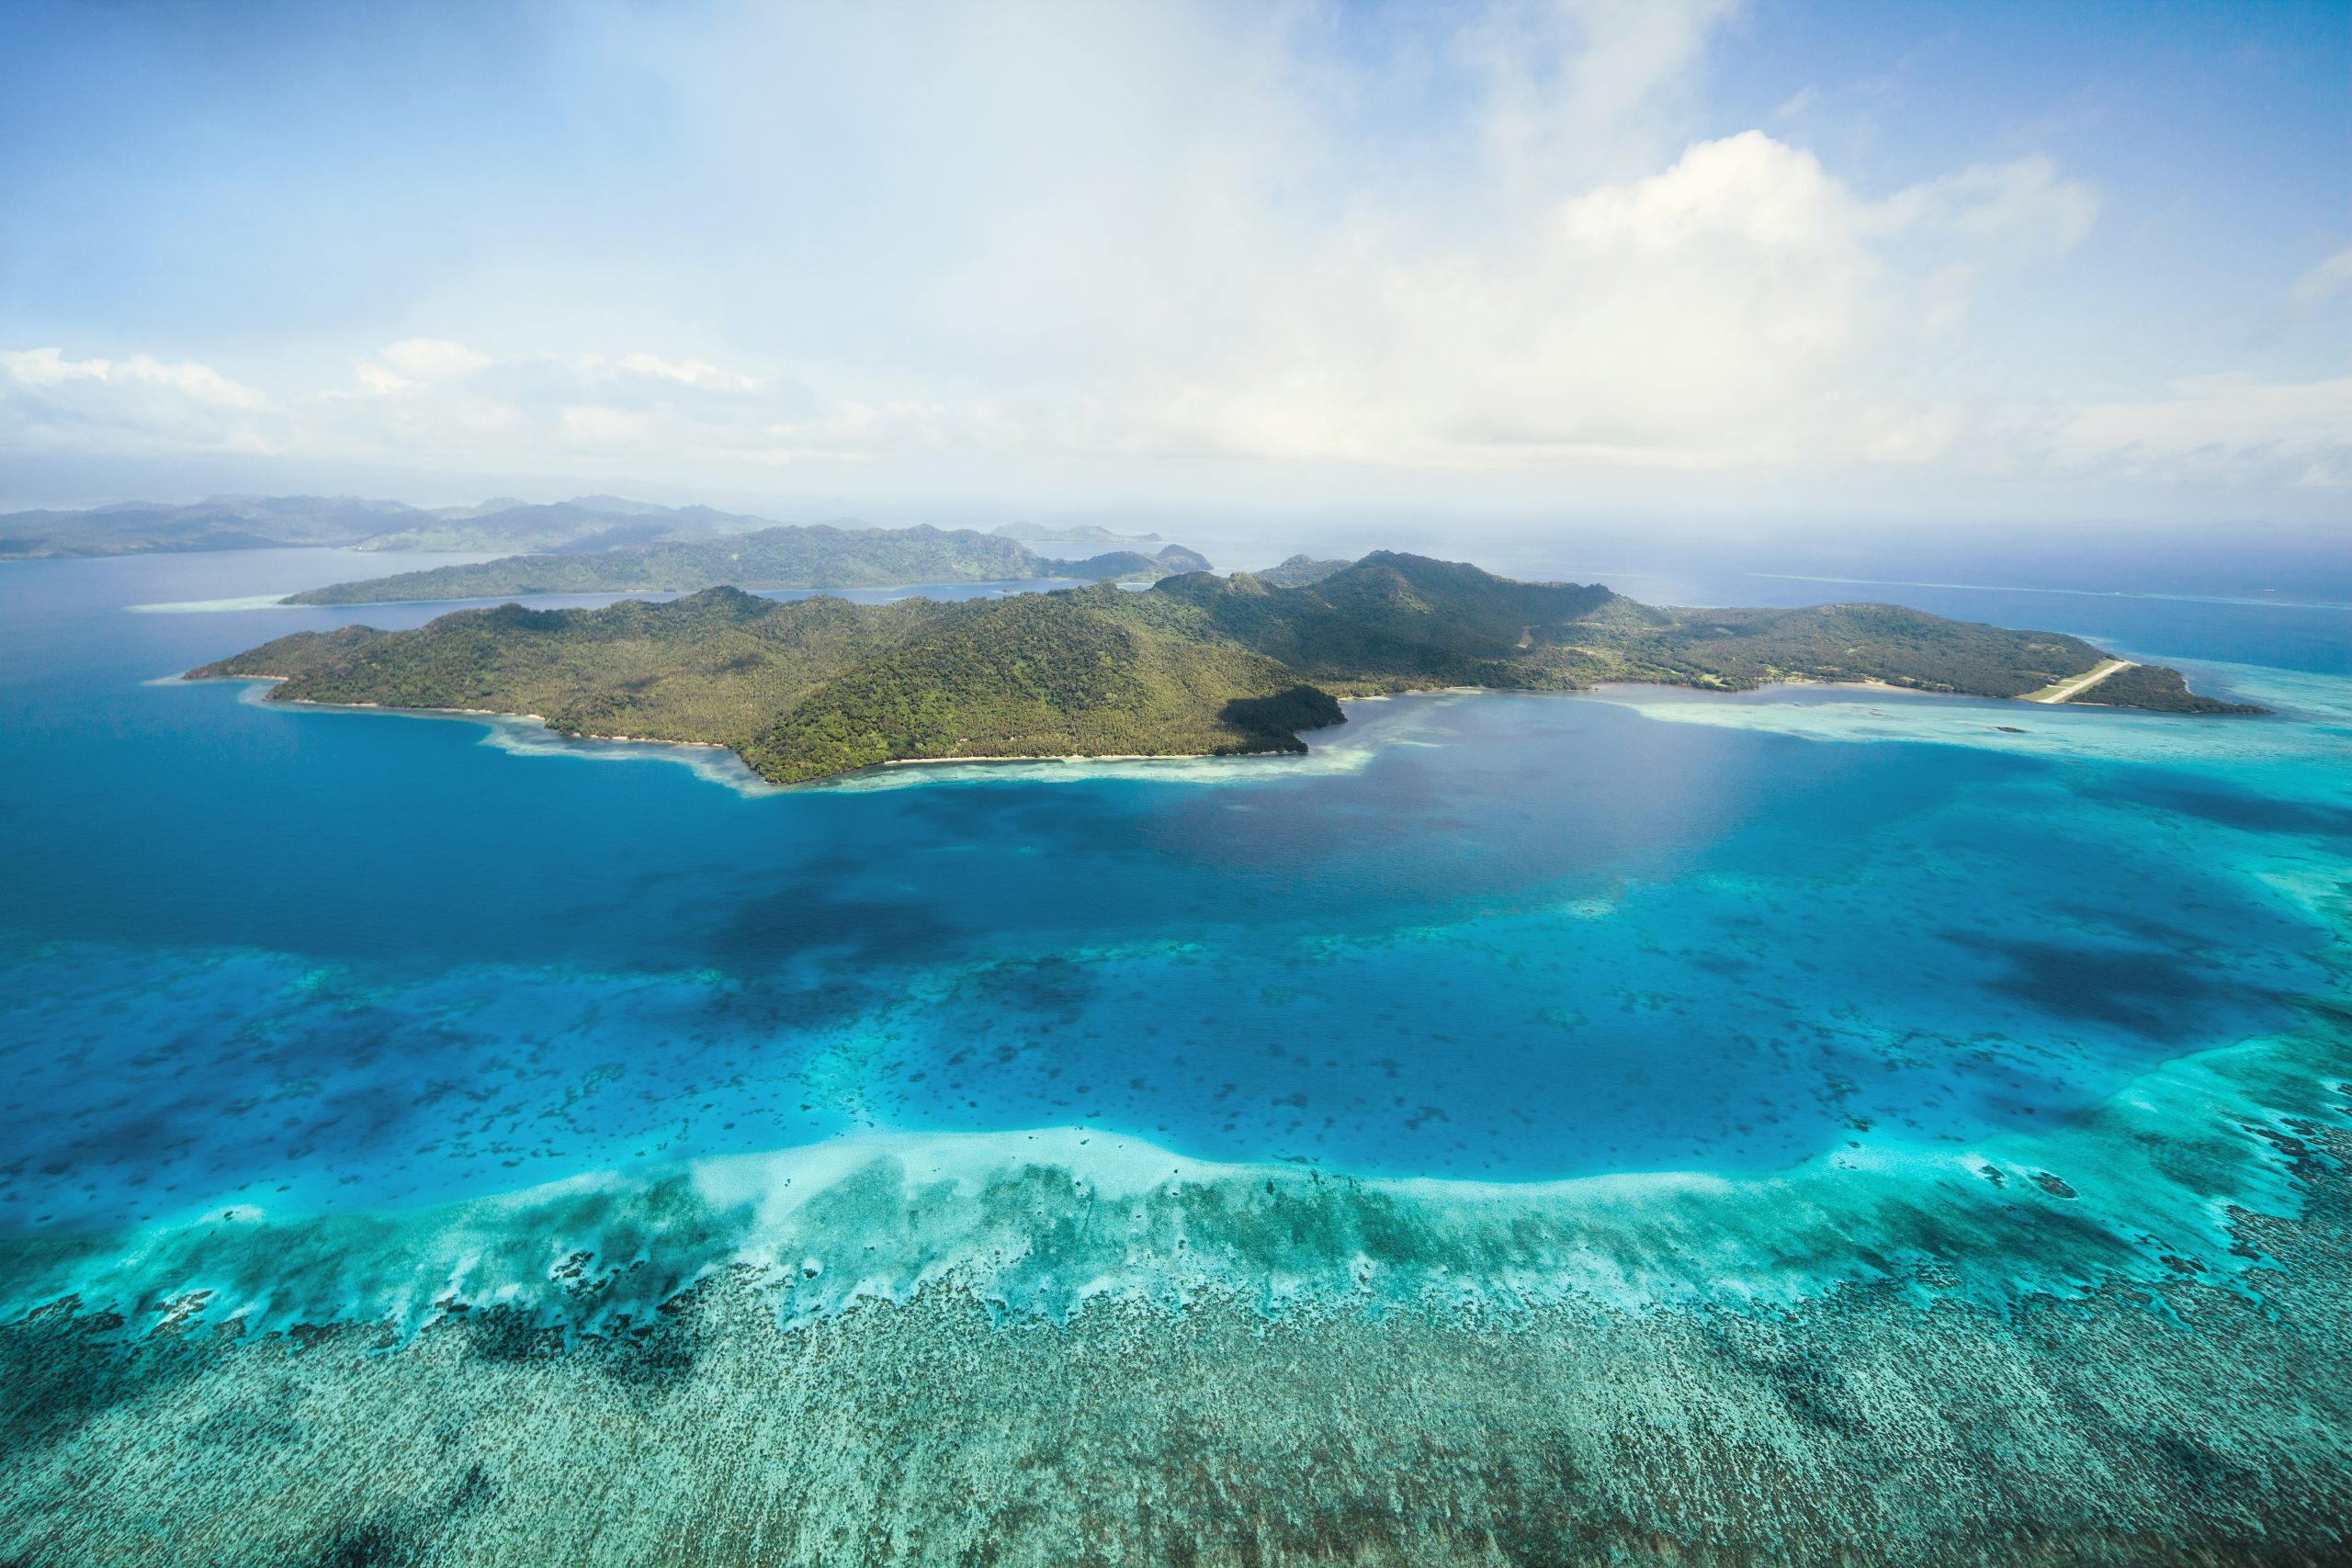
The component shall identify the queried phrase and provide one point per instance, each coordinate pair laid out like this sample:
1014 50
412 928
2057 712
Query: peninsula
1196 665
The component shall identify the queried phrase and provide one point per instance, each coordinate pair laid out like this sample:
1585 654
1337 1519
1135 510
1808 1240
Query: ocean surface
1679 1127
337 960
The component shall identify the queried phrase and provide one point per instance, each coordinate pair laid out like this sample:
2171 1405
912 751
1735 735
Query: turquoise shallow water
1813 1127
333 962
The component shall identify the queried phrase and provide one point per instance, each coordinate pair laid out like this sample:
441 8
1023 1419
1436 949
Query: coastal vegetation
2156 688
820 686
1198 665
1393 621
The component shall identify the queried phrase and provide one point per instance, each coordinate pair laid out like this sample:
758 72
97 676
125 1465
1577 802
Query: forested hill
820 686
813 556
1391 621
1129 566
1198 665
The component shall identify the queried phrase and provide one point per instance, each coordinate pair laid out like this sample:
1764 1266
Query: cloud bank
1001 241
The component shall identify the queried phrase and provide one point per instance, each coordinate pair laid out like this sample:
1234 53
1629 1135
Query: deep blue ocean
335 960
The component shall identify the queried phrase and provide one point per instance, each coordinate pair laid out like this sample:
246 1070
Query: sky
1673 258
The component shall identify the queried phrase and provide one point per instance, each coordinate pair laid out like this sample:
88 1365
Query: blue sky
1674 256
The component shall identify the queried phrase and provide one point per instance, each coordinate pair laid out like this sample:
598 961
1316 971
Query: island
1072 534
543 538
1196 665
309 521
1299 572
1129 566
816 555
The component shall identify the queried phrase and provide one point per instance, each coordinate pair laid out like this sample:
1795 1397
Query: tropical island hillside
1197 665
814 557
1298 571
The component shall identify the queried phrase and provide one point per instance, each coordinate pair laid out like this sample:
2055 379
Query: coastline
1059 757
528 734
540 720
850 776
447 713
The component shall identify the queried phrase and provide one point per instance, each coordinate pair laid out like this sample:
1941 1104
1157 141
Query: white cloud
2026 207
2228 428
690 373
412 363
48 367
602 426
433 359
1578 87
376 378
640 412
49 402
1028 237
1741 308
2324 282
458 406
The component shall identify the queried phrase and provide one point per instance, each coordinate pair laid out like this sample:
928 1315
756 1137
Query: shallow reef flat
2207 1428
2295 756
2116 1343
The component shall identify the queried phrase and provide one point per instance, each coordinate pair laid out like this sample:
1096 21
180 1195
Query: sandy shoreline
1027 758
1073 757
540 719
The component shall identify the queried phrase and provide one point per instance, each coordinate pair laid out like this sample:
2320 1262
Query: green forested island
2155 688
1196 665
1072 534
818 555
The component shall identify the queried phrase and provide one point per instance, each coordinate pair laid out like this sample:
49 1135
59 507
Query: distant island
583 525
1196 665
784 557
279 521
1300 571
1072 534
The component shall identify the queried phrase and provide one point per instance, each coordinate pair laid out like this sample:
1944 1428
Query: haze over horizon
1691 259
